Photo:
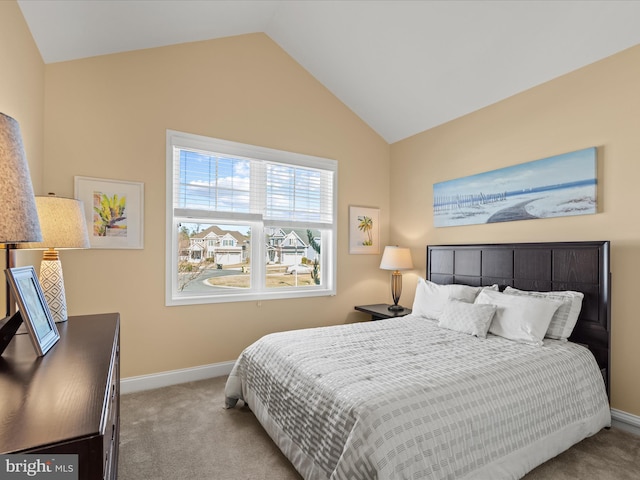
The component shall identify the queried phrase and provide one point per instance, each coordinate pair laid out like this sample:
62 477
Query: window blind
210 184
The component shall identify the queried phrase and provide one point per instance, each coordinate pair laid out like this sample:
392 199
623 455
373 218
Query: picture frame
558 186
101 197
33 308
364 230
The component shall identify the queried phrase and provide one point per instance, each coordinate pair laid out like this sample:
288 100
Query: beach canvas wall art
558 186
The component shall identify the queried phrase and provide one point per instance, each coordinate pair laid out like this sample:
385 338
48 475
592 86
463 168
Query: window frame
258 290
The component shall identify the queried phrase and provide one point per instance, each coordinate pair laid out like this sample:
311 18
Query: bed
424 397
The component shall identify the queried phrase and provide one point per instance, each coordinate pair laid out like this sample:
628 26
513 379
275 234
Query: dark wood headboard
578 266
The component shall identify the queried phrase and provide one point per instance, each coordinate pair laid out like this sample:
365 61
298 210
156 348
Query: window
247 223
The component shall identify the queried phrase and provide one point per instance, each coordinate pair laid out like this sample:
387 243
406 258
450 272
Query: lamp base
53 289
395 308
396 291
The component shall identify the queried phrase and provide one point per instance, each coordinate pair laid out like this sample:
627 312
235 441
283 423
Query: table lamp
396 259
63 227
18 215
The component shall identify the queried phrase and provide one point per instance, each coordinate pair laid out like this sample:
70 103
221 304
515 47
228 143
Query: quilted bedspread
405 399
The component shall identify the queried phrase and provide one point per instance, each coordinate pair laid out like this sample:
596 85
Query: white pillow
565 318
464 293
470 318
520 318
431 298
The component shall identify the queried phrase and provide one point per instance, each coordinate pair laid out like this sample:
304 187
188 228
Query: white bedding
405 399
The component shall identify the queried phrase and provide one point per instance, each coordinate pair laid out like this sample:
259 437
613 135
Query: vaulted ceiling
402 66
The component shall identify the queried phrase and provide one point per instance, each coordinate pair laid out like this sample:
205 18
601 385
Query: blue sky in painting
559 169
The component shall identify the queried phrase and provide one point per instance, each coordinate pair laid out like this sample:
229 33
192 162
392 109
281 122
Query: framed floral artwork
114 211
364 230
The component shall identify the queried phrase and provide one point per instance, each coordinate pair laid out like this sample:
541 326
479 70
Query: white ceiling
401 66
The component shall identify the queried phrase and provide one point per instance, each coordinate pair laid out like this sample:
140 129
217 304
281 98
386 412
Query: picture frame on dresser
33 308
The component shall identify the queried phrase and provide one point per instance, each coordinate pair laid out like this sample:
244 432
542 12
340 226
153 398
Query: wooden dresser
67 402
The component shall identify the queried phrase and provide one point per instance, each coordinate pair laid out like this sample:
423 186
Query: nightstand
380 311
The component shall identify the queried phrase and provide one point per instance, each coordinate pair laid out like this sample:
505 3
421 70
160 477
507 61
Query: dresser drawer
111 432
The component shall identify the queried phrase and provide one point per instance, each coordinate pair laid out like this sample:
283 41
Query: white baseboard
625 421
174 377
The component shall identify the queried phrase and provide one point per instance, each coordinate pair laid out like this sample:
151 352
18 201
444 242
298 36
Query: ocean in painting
557 186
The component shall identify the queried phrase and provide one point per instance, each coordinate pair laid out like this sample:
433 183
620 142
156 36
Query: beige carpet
183 432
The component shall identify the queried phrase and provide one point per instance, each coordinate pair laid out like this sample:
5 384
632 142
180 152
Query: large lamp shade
18 214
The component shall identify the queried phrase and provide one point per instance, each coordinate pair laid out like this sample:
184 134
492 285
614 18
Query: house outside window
239 217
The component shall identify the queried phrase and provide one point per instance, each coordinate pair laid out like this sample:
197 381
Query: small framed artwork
33 308
364 230
114 211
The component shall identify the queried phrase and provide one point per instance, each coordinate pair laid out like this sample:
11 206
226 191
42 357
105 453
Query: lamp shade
18 215
62 222
396 258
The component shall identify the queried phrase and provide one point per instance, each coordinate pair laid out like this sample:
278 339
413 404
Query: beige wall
595 106
22 85
107 117
22 91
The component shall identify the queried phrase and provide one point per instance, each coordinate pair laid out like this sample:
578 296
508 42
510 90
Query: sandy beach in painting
524 206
